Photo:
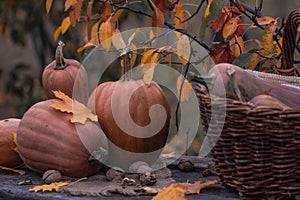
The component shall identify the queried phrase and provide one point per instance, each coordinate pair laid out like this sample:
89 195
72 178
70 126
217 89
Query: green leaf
243 60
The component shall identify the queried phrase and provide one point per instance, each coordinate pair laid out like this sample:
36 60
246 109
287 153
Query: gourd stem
59 57
289 44
126 70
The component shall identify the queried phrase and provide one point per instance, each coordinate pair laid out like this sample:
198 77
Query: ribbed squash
124 144
46 140
9 156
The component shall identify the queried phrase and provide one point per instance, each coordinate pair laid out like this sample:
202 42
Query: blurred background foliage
27 45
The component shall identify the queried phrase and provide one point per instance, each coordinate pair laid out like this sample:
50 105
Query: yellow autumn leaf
117 40
15 141
53 187
80 113
57 33
148 63
94 34
21 172
267 38
277 48
174 191
69 3
65 24
48 5
186 90
230 27
178 19
105 10
183 49
237 45
106 30
85 47
207 10
265 20
254 61
158 21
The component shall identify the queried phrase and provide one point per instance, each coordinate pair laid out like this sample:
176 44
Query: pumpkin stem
126 68
59 57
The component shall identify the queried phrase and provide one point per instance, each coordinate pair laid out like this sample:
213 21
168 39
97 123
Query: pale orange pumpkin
46 140
140 102
9 156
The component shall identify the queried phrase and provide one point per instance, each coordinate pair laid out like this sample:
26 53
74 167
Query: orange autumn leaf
186 90
105 34
85 47
178 19
148 62
174 191
65 24
265 20
117 40
53 187
80 113
105 10
69 3
21 172
183 49
158 21
94 34
57 33
254 61
237 45
267 38
48 5
230 27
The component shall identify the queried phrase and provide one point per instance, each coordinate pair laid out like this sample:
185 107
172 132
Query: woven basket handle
289 44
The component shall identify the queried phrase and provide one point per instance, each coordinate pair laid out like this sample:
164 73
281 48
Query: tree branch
195 13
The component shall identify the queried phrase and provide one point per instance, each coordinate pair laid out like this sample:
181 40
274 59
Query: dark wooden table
10 189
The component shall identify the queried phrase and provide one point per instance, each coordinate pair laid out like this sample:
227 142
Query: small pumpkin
9 156
61 74
47 140
130 143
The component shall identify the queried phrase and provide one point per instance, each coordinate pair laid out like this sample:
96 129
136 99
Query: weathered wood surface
10 189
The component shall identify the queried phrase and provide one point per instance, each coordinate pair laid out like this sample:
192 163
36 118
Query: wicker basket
258 151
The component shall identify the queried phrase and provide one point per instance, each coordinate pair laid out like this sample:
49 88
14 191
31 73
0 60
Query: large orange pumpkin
46 140
115 110
8 154
61 74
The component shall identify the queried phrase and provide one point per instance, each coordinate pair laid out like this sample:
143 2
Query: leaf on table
195 188
65 24
186 90
80 113
48 5
53 187
183 49
117 40
21 172
158 21
174 191
105 10
15 141
106 30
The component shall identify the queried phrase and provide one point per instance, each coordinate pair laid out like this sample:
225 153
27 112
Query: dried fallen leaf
65 104
106 30
53 187
174 191
183 49
21 172
195 188
186 88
